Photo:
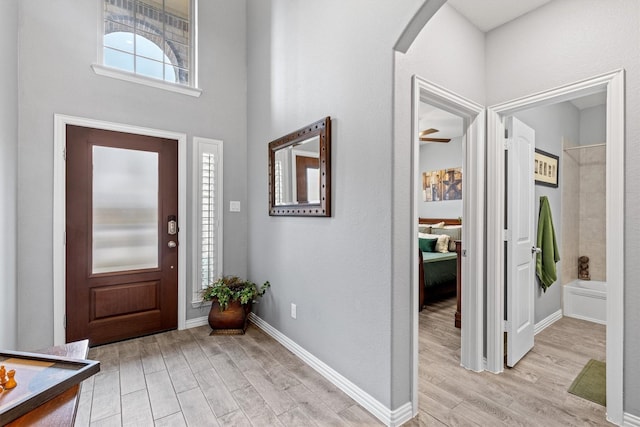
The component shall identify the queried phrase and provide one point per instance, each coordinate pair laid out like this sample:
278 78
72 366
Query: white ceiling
589 101
489 14
448 125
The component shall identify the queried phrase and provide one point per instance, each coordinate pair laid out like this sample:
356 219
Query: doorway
472 260
613 85
121 235
59 212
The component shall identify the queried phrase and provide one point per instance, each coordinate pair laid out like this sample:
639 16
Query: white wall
308 60
8 172
437 156
563 42
593 126
57 45
552 124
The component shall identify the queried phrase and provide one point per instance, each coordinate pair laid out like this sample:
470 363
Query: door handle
535 250
172 244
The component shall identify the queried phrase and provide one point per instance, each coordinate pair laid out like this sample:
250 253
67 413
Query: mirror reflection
297 173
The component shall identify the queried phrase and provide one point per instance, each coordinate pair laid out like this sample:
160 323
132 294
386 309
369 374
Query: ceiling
589 101
489 14
448 125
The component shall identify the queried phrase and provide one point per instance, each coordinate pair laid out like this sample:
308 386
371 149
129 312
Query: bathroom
575 132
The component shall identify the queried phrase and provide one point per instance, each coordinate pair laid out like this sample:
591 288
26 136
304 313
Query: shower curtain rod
585 146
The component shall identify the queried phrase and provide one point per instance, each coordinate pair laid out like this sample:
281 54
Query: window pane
208 240
117 59
121 39
148 45
125 209
147 67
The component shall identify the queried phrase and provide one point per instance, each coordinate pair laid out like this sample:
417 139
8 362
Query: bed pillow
428 245
453 233
442 245
424 228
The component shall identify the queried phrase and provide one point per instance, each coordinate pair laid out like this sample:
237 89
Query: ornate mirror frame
322 130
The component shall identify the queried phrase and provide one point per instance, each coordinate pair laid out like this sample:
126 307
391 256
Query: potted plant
231 300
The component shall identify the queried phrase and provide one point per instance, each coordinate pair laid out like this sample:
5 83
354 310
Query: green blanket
547 258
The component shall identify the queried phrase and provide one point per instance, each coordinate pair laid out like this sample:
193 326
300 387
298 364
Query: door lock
535 250
172 225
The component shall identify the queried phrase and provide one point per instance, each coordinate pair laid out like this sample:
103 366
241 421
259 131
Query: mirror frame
322 129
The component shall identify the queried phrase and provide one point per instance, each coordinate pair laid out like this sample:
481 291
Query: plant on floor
232 288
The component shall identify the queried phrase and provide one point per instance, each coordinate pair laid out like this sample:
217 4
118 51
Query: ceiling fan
424 133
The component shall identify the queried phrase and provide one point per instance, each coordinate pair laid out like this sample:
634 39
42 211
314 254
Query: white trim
613 83
59 214
630 420
196 322
198 147
472 332
387 416
116 73
546 322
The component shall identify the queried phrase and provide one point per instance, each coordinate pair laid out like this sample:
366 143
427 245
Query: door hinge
506 235
507 144
506 133
64 153
64 321
505 325
64 238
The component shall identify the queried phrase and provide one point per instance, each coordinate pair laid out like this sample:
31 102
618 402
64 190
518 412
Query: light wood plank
195 408
106 395
136 409
161 394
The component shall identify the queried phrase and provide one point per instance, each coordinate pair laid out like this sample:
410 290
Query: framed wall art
545 169
445 184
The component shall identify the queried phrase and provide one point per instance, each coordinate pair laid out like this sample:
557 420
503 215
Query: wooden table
61 410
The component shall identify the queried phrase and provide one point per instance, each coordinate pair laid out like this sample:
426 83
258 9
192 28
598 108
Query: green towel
546 260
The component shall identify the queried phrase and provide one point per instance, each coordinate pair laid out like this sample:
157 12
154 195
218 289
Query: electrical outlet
293 310
234 206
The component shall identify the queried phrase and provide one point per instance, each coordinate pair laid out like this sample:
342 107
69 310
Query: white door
520 254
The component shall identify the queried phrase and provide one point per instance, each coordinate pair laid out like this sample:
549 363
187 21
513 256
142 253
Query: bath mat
591 382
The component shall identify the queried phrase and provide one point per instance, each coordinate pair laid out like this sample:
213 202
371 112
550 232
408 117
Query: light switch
234 206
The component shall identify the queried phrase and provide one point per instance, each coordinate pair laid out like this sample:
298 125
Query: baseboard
630 420
546 322
389 417
198 321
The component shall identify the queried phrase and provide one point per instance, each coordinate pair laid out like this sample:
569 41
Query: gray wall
563 42
57 45
552 125
308 60
8 171
449 52
436 156
593 126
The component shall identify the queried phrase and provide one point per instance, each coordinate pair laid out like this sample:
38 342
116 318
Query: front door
520 254
121 235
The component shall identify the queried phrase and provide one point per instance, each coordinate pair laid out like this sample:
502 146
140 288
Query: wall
8 171
308 60
567 41
553 125
570 184
57 45
593 236
436 156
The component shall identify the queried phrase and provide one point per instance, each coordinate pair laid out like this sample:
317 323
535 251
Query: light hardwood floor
189 378
533 393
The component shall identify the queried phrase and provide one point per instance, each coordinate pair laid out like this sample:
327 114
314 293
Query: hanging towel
546 260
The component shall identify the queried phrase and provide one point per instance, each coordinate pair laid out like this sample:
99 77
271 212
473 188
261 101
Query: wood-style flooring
190 378
533 393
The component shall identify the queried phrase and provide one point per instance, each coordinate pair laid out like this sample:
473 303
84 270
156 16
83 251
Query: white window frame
102 70
201 146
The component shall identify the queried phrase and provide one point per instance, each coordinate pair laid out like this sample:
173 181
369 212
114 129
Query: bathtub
586 300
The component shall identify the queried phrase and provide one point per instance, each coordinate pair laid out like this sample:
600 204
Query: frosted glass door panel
125 210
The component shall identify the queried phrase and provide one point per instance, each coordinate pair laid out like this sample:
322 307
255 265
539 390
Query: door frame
59 213
613 83
473 114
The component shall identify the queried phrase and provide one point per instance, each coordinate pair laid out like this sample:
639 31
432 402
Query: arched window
151 38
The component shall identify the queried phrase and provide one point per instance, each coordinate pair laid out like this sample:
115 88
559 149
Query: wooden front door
121 243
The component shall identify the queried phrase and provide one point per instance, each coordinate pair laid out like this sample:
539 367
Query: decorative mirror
300 172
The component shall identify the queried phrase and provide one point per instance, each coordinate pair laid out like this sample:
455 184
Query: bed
439 267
